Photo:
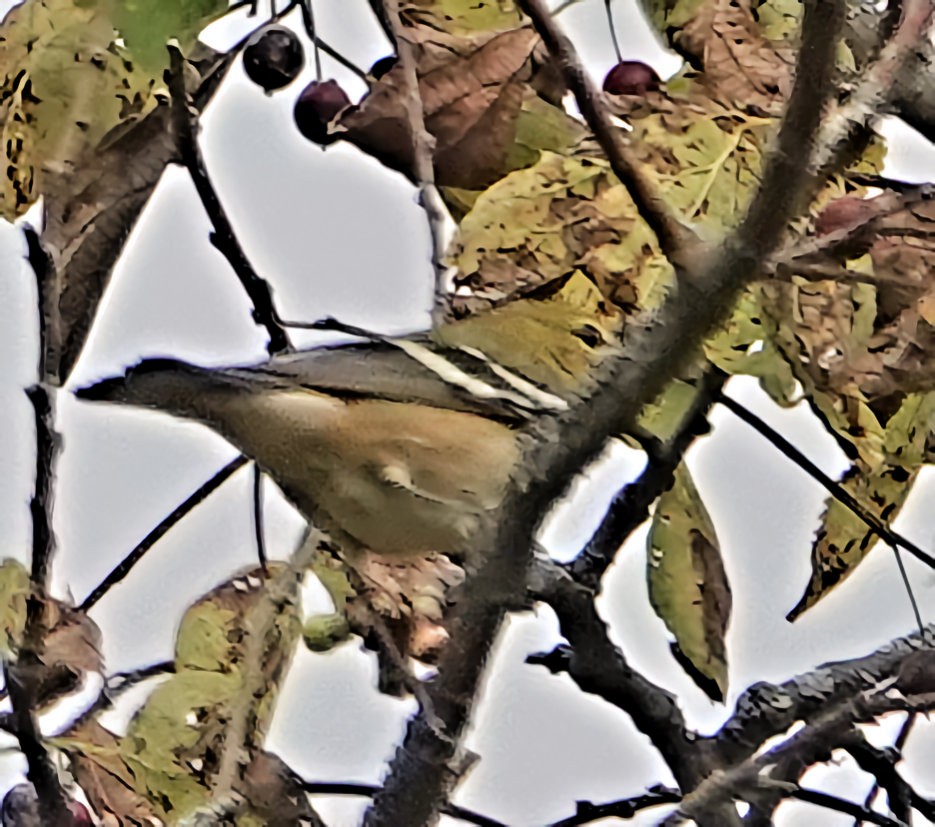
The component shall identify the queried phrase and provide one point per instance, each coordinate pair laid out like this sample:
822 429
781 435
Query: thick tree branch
599 668
765 709
764 775
914 93
423 772
846 121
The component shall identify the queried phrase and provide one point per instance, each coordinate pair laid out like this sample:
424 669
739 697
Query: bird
396 445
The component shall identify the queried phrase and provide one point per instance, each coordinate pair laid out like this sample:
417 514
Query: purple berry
631 77
273 57
316 107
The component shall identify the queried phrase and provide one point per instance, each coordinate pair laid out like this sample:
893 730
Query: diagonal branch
765 709
599 668
675 239
841 494
123 568
762 774
630 507
882 766
423 772
184 122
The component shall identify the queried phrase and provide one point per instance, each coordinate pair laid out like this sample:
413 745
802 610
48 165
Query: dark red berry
382 66
316 107
80 817
843 213
631 77
273 57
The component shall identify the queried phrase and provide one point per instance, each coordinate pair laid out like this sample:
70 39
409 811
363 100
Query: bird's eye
588 334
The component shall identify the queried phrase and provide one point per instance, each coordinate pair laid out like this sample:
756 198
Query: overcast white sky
338 235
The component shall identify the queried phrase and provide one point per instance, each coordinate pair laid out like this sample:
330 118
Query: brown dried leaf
91 209
102 774
472 97
723 39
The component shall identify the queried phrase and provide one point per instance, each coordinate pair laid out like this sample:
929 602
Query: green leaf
688 585
464 17
232 651
70 73
14 591
843 540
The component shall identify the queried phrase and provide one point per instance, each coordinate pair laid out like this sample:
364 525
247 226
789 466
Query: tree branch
599 668
123 568
841 494
622 808
422 772
881 764
841 805
765 709
22 676
630 507
423 153
675 239
184 122
762 774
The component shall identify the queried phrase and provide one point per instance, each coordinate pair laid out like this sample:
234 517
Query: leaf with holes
688 585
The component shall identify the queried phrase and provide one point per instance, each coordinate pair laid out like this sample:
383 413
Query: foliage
555 263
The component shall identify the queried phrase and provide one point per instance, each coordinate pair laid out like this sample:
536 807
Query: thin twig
369 790
842 805
675 239
123 568
223 238
630 507
622 808
258 517
121 682
612 29
423 151
836 490
567 4
308 20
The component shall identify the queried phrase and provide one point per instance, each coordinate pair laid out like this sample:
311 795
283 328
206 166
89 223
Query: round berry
273 57
631 77
316 107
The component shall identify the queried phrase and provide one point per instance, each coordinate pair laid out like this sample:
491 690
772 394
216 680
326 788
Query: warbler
398 446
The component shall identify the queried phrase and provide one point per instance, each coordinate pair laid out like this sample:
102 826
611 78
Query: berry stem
613 32
308 18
